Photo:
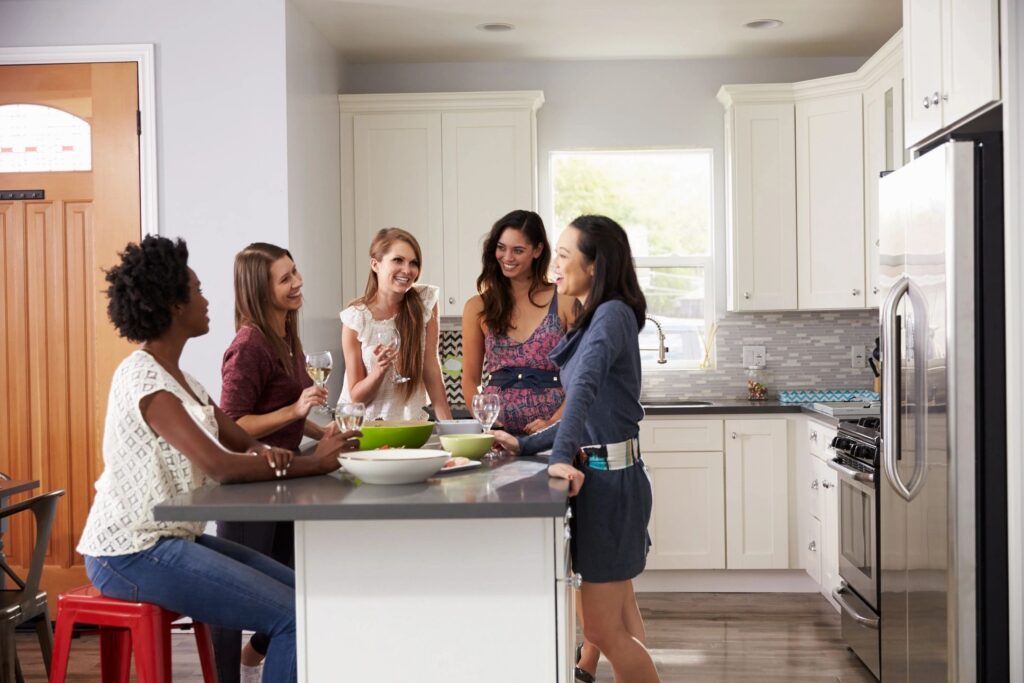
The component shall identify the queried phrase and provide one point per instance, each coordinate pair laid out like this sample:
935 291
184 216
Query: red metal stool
124 626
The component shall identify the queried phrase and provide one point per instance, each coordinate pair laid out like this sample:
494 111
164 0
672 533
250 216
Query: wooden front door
58 350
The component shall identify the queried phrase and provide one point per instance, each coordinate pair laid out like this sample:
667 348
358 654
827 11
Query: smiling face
398 269
285 285
194 315
515 254
573 274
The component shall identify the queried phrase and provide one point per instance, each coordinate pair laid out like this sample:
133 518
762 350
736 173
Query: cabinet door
883 151
812 550
488 171
970 57
762 208
756 494
829 530
565 603
922 60
830 202
688 522
397 170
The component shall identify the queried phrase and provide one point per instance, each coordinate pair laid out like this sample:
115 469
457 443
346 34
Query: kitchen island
460 578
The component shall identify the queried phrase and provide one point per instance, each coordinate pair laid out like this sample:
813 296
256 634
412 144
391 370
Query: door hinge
138 122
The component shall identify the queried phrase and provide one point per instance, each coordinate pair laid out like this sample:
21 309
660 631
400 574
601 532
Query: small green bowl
471 446
394 434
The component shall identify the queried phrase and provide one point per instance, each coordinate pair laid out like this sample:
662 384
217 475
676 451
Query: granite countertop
683 407
507 487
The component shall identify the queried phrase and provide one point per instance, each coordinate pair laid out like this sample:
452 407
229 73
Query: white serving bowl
445 427
394 465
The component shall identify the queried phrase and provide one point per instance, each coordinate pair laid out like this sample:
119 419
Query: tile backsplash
804 350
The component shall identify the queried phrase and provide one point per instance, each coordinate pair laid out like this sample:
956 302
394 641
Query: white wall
221 119
610 104
314 207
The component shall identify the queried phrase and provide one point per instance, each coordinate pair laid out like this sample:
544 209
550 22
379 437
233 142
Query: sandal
581 675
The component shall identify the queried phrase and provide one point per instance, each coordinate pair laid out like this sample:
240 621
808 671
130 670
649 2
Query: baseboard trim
725 581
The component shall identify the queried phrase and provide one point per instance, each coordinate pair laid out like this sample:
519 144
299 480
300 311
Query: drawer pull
814 485
574 580
812 546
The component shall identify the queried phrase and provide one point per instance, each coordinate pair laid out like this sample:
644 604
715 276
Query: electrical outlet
858 356
754 356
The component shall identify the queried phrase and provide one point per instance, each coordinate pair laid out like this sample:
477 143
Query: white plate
459 468
393 465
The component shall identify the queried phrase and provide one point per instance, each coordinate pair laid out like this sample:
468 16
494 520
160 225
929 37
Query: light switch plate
754 356
858 356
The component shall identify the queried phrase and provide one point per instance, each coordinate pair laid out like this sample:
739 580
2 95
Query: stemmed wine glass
349 415
318 367
389 338
486 408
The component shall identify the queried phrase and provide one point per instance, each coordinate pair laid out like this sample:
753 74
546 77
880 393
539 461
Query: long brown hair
252 299
496 289
409 319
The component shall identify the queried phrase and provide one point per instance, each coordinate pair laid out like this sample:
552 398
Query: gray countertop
508 487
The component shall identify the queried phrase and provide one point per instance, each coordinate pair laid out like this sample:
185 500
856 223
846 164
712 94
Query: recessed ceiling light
496 27
764 23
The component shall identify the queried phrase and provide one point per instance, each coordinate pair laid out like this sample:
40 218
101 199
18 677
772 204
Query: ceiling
445 30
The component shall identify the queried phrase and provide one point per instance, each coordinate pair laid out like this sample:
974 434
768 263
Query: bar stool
124 626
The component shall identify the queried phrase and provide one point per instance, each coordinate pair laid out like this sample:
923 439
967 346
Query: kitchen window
663 198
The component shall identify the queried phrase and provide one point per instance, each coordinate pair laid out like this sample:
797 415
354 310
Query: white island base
434 601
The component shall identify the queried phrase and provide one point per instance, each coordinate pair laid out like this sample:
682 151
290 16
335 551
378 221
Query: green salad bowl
471 446
394 434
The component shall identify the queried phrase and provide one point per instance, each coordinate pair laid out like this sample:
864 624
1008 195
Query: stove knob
865 452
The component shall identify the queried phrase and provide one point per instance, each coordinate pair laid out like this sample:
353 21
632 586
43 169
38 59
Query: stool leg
8 653
45 634
204 643
115 655
151 640
61 644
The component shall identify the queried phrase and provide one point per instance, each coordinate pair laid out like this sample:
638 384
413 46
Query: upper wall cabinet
443 166
951 52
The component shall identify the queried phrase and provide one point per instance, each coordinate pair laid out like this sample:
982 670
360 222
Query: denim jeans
214 581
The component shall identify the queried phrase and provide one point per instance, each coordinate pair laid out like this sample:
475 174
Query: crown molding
435 101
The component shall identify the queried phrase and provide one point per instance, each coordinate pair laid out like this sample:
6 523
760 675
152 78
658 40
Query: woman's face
194 315
573 275
515 254
398 269
285 285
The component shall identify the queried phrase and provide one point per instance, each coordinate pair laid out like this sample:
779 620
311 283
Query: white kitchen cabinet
444 166
761 205
812 549
883 151
951 53
756 494
829 530
688 521
830 201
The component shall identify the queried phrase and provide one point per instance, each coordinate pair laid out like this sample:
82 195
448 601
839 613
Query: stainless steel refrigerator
942 591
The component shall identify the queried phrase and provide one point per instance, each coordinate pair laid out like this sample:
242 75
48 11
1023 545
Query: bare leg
250 657
631 615
590 654
604 605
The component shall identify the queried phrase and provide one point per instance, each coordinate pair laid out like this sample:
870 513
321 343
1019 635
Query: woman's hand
506 442
536 426
383 358
279 459
565 471
332 444
309 399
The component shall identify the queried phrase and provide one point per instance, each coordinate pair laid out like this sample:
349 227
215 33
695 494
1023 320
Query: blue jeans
214 581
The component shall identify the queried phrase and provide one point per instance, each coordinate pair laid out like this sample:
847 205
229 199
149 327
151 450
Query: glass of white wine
486 409
318 367
389 338
349 415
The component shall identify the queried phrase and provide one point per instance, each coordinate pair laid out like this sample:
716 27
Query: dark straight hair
496 289
605 244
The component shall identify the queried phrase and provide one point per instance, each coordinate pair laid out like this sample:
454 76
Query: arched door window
39 139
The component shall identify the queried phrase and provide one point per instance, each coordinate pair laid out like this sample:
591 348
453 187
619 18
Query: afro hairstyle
151 277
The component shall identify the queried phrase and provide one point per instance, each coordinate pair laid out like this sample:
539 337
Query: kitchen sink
675 404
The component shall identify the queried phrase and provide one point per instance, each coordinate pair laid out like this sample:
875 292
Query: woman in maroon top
267 392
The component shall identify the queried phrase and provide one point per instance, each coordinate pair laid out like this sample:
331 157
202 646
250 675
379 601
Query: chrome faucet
662 349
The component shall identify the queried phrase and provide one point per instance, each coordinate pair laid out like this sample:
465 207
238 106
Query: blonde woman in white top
164 436
376 374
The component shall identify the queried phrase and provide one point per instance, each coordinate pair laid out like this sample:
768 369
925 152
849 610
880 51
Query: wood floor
694 638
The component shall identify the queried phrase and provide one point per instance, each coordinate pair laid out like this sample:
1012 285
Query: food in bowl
467 445
394 465
442 427
394 434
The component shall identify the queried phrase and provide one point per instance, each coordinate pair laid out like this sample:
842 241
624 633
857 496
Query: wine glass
389 338
349 415
318 367
486 408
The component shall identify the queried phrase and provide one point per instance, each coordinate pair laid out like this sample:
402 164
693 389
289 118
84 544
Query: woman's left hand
536 426
506 442
565 471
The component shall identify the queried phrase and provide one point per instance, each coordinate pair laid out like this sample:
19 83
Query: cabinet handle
451 299
935 98
945 97
575 580
814 485
814 436
812 546
927 103
856 292
568 515
734 435
874 290
827 484
746 295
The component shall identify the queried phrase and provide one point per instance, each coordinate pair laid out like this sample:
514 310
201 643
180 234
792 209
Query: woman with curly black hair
164 436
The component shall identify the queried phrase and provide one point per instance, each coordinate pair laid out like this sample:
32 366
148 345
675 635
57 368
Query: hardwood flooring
694 638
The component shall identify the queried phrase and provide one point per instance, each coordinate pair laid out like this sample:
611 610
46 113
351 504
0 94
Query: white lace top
140 469
388 404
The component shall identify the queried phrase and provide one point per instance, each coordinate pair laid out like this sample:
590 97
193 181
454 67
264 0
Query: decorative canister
756 390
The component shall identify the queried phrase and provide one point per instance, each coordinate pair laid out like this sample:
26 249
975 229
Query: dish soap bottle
756 390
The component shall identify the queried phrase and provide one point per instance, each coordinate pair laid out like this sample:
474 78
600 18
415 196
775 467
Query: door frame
143 55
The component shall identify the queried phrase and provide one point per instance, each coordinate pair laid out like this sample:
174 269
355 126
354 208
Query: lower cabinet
688 522
819 511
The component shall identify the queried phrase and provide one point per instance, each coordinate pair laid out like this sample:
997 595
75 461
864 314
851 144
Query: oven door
858 539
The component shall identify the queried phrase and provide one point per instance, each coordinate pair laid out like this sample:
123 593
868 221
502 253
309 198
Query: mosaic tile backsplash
805 350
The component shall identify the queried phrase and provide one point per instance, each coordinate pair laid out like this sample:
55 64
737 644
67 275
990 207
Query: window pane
34 138
675 296
662 198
